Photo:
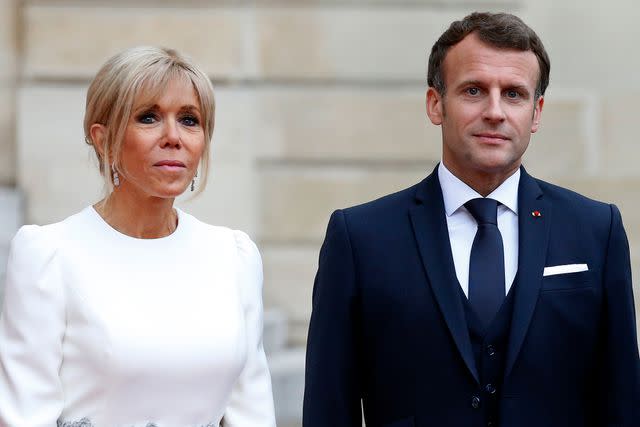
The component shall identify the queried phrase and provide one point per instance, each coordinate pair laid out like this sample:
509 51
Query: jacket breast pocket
405 422
568 281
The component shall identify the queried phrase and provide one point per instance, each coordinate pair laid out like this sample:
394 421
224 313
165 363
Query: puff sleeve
251 402
32 325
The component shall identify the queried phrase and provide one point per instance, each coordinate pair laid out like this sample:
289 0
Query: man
480 296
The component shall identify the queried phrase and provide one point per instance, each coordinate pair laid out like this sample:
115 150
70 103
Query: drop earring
193 181
115 176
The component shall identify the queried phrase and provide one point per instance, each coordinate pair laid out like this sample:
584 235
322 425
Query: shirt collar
456 193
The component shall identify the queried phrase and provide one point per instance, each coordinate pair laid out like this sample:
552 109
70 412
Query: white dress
99 329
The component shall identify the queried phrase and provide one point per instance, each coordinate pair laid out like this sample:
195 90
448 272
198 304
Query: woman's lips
176 163
170 165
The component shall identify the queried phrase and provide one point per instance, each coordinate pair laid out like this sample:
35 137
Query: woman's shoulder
34 242
239 250
49 235
246 247
41 238
37 245
213 233
248 254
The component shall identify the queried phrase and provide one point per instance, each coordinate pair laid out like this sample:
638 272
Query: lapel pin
536 214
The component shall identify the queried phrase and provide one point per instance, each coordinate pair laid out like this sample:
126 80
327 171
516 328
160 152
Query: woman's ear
98 133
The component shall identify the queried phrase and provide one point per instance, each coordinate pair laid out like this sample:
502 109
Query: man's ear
98 133
435 107
537 114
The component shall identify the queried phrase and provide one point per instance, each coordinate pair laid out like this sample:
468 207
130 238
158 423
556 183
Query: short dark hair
500 30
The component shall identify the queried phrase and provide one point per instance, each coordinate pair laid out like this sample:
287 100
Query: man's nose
494 110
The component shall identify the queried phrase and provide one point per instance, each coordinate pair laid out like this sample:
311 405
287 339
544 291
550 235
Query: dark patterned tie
486 265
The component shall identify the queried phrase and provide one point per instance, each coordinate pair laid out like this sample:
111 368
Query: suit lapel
534 219
432 236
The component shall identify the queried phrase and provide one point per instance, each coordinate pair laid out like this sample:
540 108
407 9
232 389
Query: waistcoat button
475 402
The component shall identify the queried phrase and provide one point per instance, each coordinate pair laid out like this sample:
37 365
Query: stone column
9 200
8 53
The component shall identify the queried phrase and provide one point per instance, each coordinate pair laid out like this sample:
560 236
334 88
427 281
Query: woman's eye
190 121
147 118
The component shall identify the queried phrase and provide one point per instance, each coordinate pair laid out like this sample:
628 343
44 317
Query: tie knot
485 211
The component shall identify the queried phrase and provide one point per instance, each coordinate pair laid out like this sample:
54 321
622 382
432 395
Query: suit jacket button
475 402
491 350
490 388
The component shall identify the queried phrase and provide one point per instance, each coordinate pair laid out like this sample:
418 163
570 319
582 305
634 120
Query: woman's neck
139 216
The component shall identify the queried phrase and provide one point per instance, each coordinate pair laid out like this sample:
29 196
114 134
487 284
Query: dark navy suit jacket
388 329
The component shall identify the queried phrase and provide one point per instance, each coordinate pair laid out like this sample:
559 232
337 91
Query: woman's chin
170 192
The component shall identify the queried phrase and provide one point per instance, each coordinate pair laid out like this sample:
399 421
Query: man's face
489 110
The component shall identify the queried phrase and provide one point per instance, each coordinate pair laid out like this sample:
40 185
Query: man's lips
491 137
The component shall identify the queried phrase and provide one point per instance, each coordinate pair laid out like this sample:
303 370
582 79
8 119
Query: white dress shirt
462 226
100 329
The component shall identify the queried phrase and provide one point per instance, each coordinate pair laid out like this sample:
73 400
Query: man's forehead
474 56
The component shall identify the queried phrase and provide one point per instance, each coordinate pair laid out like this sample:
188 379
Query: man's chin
497 166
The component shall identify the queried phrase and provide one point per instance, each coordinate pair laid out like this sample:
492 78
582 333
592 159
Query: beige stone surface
8 39
346 124
266 3
59 176
620 142
349 42
56 170
7 144
592 43
563 145
289 271
71 42
297 201
8 49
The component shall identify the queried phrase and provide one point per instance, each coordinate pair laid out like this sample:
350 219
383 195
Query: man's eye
147 118
473 91
189 121
513 94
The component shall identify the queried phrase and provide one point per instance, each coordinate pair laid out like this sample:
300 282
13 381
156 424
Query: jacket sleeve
620 374
251 401
32 327
332 381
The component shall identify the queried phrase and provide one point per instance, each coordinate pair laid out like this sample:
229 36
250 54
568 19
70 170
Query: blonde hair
122 81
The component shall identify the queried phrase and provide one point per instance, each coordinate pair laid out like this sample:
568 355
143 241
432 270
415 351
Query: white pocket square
564 269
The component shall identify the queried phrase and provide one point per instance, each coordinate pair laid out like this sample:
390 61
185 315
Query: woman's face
163 144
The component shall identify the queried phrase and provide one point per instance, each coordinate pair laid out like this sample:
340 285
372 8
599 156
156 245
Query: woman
132 312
